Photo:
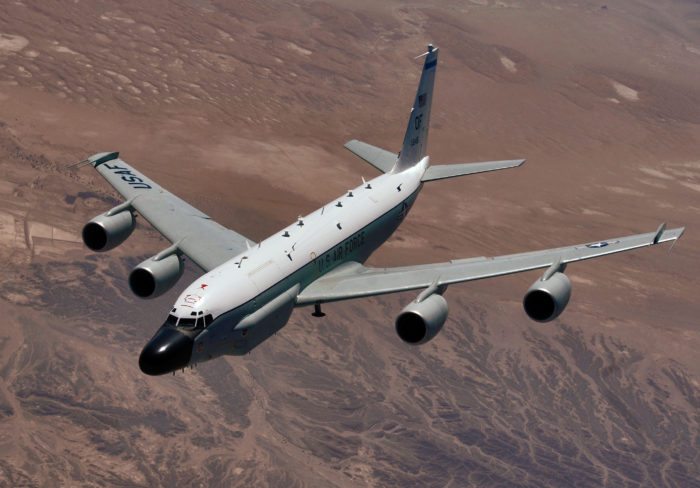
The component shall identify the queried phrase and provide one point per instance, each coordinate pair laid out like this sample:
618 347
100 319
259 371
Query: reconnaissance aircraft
250 289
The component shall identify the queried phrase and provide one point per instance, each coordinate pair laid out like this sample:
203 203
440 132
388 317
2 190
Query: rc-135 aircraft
250 289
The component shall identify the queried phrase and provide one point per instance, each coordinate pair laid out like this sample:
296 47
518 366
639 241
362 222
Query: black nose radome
169 350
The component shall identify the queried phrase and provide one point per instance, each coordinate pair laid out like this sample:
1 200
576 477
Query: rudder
415 141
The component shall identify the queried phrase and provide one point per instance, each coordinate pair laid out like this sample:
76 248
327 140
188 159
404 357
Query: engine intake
152 278
420 321
546 300
106 232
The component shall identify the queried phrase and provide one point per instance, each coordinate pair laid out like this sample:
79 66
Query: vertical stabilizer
415 141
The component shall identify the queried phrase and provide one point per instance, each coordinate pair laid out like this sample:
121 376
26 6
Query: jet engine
547 298
108 230
156 275
421 320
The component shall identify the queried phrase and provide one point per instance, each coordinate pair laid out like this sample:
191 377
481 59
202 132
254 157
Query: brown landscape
242 109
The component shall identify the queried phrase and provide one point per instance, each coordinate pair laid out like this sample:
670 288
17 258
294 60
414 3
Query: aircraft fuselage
239 304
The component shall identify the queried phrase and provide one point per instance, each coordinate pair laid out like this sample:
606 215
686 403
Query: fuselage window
208 320
171 320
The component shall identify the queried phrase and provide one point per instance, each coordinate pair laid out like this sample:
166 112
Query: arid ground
242 108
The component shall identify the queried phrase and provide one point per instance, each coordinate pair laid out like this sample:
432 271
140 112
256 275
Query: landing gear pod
420 321
108 230
154 276
546 299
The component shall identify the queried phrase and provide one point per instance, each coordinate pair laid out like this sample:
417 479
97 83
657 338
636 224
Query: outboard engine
108 230
156 275
421 320
547 298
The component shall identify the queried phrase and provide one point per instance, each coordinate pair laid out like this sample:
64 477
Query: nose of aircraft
169 350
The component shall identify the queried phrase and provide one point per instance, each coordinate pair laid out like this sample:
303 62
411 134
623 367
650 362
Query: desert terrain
242 109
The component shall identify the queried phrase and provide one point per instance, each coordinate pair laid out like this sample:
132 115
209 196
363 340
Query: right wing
354 280
204 241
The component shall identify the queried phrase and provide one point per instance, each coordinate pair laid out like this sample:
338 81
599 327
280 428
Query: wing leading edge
354 280
193 232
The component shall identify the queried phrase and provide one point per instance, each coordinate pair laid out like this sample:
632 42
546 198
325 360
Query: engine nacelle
106 232
546 300
152 278
421 321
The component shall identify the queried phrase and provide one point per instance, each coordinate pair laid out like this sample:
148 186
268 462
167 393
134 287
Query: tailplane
415 142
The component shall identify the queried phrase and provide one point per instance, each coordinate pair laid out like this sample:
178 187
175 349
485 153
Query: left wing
354 280
193 232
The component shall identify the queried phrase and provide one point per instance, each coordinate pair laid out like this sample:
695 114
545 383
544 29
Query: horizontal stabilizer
379 158
441 172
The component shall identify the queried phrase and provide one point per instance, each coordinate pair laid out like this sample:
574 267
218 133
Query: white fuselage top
244 277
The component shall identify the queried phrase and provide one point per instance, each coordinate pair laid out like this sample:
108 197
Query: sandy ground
242 110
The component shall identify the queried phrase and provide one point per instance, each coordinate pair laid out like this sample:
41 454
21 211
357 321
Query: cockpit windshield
187 323
190 323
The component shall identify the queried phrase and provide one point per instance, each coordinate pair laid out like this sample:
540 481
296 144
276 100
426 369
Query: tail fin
415 141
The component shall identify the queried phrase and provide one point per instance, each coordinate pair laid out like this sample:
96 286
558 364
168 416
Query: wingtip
103 157
95 160
676 234
667 235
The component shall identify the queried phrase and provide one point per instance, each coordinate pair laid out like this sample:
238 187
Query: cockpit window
200 322
186 323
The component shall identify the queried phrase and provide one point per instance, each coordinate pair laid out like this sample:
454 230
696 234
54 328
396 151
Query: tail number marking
417 121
